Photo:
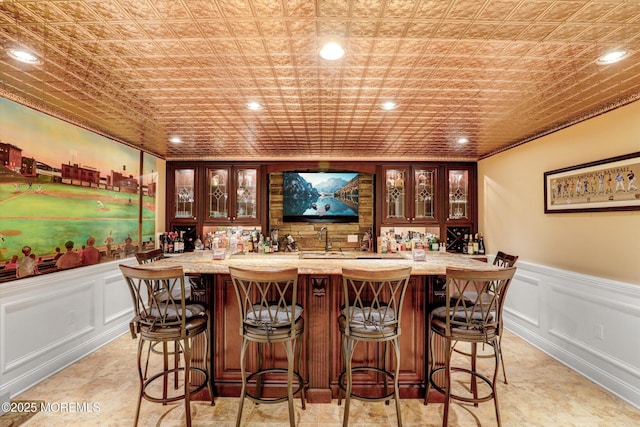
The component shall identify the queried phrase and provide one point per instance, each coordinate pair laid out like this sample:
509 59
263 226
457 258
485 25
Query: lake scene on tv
320 195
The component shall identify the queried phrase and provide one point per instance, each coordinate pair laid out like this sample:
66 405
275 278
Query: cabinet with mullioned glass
232 195
182 196
409 194
183 202
459 205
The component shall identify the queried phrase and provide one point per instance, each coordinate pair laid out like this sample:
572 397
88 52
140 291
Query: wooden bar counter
320 292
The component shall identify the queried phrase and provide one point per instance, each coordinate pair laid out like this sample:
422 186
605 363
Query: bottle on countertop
481 249
384 246
162 242
260 245
233 243
470 245
476 244
198 244
182 242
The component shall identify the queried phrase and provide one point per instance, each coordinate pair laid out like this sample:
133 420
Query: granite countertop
436 262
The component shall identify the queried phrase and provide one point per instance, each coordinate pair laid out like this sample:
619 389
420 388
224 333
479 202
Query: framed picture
604 185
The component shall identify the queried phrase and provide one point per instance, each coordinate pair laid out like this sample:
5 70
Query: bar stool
161 317
501 260
149 256
474 320
372 312
269 313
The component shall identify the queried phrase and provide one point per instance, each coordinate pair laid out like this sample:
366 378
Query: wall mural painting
67 195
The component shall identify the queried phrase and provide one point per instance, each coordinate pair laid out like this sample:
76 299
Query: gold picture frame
611 184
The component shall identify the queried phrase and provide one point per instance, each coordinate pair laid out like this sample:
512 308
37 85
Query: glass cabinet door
218 193
458 194
233 194
184 196
424 194
395 194
246 193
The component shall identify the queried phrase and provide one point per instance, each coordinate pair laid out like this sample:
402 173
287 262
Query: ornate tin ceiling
499 72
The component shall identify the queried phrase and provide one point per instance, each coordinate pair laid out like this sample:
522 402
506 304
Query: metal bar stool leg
504 371
396 380
447 382
142 378
302 395
496 351
349 348
187 380
243 391
290 365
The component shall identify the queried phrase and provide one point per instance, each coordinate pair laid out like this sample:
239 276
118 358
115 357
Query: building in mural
10 157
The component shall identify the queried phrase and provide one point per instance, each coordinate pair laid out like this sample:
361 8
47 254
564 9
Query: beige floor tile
541 393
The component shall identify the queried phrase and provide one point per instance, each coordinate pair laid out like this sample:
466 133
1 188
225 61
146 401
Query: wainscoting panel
116 299
523 299
50 321
590 324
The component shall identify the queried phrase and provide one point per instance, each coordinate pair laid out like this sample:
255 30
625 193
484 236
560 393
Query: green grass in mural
46 217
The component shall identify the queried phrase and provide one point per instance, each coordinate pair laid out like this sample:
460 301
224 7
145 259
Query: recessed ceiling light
388 105
332 51
175 140
253 105
611 57
463 140
24 56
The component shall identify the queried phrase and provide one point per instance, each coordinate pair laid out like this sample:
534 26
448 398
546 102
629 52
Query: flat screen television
320 197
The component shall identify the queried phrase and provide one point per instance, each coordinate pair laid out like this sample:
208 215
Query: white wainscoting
590 324
50 321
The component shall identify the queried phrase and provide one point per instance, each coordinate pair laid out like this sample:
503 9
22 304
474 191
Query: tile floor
541 392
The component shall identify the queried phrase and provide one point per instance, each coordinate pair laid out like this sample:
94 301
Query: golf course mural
60 183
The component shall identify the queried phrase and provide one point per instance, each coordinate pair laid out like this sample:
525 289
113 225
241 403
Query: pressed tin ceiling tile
497 71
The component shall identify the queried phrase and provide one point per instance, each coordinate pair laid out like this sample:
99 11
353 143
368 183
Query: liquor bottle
233 243
170 246
267 246
261 244
470 245
476 244
465 242
198 244
481 249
